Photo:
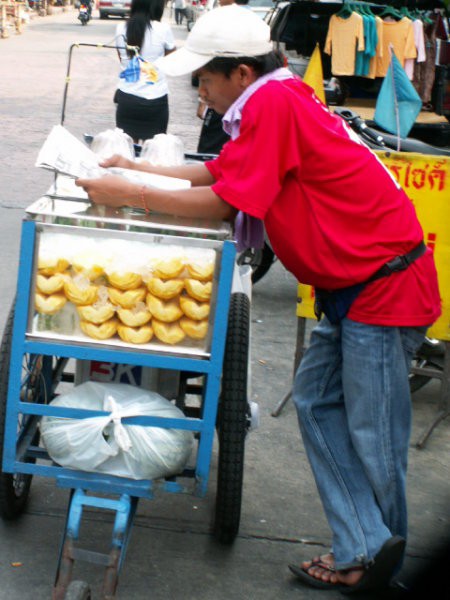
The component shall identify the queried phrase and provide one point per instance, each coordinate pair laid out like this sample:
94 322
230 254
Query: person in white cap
339 222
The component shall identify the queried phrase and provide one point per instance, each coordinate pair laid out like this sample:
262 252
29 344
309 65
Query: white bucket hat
226 31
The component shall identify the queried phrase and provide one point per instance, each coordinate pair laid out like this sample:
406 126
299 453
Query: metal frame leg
444 398
299 352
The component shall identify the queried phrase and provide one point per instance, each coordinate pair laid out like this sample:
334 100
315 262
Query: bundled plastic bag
163 150
113 141
105 445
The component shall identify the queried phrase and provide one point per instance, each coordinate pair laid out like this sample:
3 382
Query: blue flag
398 103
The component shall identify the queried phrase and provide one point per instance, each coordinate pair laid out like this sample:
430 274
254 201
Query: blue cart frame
21 451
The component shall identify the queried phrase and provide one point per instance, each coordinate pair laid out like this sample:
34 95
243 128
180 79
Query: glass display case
119 277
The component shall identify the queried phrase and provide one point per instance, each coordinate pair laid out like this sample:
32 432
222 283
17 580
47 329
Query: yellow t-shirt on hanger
401 35
343 38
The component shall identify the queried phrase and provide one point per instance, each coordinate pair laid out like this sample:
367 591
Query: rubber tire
14 488
103 15
78 590
232 421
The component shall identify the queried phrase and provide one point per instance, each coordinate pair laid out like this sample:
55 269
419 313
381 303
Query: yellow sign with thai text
426 180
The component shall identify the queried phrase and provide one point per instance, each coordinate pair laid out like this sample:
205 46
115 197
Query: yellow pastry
164 311
168 268
165 288
127 298
49 305
125 281
202 271
80 294
101 331
133 317
193 309
194 329
92 272
49 284
135 335
50 266
169 333
198 289
96 314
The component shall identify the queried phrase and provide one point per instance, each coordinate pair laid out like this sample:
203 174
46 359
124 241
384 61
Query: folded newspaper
63 153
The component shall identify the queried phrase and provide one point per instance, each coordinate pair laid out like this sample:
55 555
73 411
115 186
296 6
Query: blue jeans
353 403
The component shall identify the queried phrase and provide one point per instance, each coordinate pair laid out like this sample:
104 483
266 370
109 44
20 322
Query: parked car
263 8
114 8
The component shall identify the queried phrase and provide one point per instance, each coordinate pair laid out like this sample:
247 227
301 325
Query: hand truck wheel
232 421
14 488
35 387
78 590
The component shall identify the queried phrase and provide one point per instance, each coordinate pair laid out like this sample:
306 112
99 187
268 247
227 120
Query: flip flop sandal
305 577
379 573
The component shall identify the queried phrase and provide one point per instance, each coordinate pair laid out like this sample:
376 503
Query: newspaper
63 153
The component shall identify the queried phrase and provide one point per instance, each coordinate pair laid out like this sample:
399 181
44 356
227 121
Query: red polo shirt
332 211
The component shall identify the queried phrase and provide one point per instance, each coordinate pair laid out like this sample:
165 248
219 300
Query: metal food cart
205 378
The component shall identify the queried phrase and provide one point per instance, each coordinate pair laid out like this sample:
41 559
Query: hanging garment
344 37
362 63
401 35
378 50
419 41
424 72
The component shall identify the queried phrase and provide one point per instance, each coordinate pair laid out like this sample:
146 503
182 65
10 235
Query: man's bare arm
200 202
197 174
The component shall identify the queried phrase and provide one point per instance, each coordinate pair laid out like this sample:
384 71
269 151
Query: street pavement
172 553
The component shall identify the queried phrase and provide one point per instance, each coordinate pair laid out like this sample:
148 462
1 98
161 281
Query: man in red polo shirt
339 222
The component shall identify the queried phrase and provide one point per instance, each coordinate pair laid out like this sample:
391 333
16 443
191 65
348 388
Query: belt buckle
399 263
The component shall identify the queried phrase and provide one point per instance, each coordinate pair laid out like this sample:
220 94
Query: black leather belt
336 304
399 263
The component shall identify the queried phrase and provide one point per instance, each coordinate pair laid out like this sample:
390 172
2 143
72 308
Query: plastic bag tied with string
104 444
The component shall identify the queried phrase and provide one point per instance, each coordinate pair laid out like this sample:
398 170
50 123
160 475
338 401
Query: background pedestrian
143 105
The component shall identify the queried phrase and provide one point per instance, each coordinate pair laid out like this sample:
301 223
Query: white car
114 8
263 8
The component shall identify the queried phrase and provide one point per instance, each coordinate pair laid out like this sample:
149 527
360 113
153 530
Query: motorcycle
84 14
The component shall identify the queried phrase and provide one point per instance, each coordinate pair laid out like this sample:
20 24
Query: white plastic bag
113 141
163 150
105 445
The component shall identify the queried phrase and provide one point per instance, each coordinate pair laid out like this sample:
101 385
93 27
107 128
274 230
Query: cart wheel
14 488
78 590
232 421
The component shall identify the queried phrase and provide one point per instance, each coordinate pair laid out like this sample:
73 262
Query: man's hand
118 161
109 190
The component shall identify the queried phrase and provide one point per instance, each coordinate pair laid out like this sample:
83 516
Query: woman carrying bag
142 97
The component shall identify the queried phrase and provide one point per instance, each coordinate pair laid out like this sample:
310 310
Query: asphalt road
171 554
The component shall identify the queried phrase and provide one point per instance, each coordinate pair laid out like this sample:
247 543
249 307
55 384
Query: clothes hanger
346 11
390 11
423 16
405 12
368 10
